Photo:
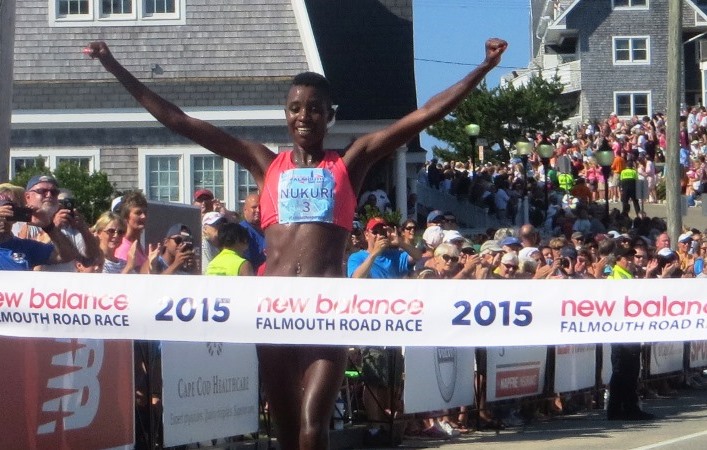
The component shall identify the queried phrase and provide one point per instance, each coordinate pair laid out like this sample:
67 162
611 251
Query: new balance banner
351 311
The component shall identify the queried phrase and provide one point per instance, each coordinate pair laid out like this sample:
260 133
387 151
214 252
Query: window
207 173
629 104
633 4
84 163
631 50
65 13
73 7
163 178
116 7
246 185
21 163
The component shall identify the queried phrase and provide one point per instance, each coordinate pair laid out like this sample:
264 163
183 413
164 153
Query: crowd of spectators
40 230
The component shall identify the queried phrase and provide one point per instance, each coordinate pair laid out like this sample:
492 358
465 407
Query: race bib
306 195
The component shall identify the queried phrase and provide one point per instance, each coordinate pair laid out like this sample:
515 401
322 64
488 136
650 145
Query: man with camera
386 256
176 254
25 254
43 194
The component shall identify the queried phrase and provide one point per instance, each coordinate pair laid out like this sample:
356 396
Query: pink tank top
294 194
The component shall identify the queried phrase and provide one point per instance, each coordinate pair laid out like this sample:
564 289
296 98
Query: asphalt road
681 424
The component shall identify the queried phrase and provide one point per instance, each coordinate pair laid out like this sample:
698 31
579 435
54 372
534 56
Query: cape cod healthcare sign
212 393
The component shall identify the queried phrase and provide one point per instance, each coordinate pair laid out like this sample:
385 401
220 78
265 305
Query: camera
68 203
565 263
21 214
188 246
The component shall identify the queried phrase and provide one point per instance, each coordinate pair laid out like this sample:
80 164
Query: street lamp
546 150
472 130
605 157
524 149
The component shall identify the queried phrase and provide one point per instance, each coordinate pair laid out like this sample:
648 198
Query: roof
367 52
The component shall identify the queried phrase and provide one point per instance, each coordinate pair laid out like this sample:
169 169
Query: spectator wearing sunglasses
508 269
176 254
109 230
42 193
445 263
386 254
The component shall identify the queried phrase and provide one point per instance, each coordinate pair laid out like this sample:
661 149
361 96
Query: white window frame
186 186
193 156
700 19
137 18
631 6
52 155
649 113
631 61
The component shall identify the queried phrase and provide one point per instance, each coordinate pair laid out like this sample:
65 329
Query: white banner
698 354
350 311
575 367
666 357
211 393
513 372
438 378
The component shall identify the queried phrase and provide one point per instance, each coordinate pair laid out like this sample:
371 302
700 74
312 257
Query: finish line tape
337 311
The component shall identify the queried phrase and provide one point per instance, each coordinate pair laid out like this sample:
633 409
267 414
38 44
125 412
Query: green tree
92 191
504 114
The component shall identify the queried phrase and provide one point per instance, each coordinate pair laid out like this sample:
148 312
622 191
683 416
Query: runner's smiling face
307 112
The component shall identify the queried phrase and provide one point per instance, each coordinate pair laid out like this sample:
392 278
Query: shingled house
612 54
227 61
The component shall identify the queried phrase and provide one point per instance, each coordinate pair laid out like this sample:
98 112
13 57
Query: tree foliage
92 191
504 113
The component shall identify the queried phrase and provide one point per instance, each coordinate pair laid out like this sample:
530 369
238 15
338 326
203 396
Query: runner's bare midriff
321 256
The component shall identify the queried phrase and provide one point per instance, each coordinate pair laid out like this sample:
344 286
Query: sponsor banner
666 357
513 372
211 394
351 311
438 378
575 367
66 394
698 354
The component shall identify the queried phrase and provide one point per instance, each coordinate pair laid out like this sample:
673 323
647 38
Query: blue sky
449 42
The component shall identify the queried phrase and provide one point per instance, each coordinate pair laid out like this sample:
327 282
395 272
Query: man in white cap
687 260
210 224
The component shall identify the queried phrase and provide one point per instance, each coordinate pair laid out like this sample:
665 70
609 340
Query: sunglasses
510 267
448 258
410 228
112 232
177 239
468 251
54 192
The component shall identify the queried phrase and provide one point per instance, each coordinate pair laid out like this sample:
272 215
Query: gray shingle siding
597 24
221 38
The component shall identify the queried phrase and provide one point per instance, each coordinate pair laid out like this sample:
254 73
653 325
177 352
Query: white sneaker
447 428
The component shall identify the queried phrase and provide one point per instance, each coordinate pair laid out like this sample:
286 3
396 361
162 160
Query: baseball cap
577 235
510 241
116 204
203 193
452 235
35 180
375 221
490 246
435 216
568 252
613 234
526 252
433 236
178 229
212 218
685 237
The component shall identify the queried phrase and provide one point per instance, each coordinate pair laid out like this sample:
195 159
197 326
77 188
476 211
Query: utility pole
672 170
7 47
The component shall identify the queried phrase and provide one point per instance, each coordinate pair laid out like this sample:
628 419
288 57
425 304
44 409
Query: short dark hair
132 199
315 80
231 234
